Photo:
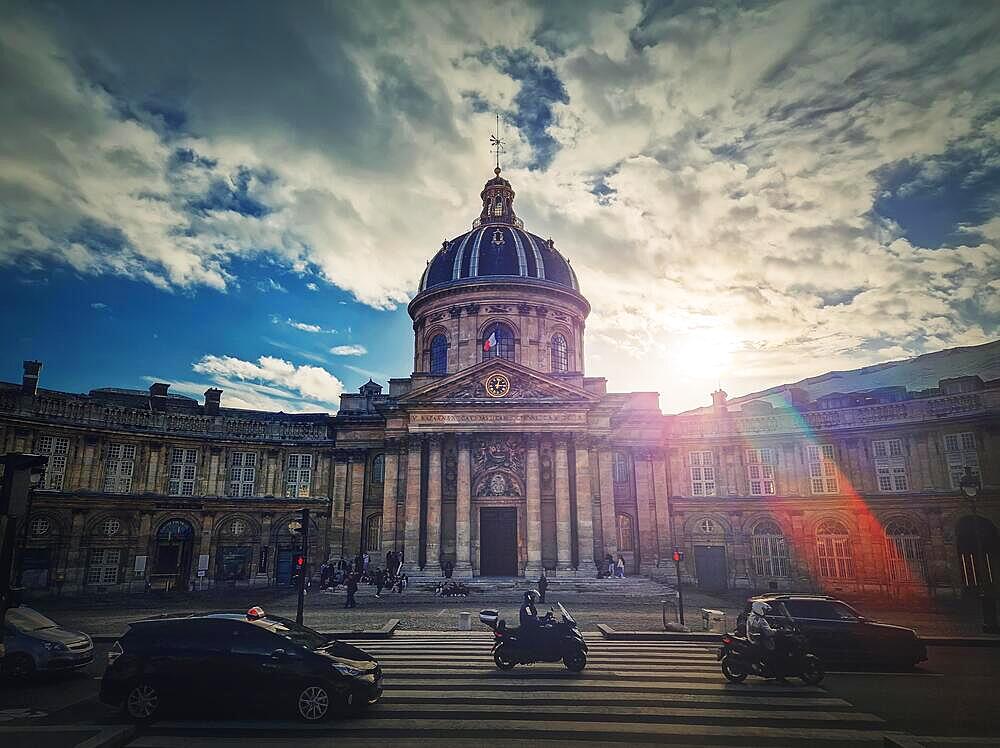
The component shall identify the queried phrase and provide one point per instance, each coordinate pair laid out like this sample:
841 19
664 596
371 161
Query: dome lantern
498 203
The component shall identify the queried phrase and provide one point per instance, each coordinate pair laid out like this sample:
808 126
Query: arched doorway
172 557
978 551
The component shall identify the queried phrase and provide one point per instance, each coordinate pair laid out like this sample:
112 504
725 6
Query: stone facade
500 457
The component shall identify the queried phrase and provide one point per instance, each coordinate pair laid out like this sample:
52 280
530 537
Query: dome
498 247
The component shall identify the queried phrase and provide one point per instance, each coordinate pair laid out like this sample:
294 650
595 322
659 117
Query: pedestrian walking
352 588
620 570
365 561
543 584
448 569
379 582
390 561
399 563
610 562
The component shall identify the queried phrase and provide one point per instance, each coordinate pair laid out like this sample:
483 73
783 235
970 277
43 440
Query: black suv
252 660
840 635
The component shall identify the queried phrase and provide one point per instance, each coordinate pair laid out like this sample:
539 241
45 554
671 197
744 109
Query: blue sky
244 195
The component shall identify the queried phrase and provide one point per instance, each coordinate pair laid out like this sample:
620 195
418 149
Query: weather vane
498 144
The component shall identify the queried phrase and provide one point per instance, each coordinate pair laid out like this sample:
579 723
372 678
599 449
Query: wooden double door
498 542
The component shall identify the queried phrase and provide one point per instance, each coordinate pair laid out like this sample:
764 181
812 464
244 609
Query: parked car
34 643
840 635
252 660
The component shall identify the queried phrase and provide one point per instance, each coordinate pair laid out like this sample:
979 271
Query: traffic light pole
305 566
678 557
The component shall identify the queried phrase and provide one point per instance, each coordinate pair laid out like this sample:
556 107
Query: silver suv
36 644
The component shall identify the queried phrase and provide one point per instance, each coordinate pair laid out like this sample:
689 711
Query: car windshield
26 619
301 635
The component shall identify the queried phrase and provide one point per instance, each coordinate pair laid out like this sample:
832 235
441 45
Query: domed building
499 457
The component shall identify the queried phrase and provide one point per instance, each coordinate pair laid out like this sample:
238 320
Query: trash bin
464 621
669 604
713 620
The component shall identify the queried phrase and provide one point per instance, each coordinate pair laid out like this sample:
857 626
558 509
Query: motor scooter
551 641
790 658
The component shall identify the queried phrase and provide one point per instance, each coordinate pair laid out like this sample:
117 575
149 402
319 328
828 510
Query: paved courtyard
632 605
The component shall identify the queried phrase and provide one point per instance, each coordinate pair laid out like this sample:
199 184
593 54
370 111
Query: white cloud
271 285
307 326
99 305
348 350
744 147
273 378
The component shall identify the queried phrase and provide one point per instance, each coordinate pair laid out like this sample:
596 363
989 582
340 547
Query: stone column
411 532
584 507
664 541
608 515
642 463
463 509
204 549
356 517
389 496
433 564
76 560
564 555
533 507
338 507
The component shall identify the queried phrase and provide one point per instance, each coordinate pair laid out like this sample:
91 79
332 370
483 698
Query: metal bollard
465 621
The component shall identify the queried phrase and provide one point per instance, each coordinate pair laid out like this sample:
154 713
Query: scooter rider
529 615
761 633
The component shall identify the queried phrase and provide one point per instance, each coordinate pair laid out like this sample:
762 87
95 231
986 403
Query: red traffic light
678 556
300 561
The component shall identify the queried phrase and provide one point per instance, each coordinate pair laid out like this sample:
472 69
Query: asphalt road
679 698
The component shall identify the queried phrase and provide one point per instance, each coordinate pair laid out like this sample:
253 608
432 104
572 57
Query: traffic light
678 555
300 562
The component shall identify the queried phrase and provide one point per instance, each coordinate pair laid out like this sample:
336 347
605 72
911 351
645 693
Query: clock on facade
497 385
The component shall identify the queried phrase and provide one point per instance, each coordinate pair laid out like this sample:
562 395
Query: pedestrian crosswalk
442 688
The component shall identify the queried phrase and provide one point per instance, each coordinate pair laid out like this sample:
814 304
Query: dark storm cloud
540 90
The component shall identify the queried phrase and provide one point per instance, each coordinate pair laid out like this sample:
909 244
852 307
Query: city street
442 686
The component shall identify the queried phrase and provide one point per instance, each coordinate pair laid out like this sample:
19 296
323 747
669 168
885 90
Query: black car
840 635
253 660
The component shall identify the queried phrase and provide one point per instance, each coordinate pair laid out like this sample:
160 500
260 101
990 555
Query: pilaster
564 555
533 507
463 509
608 515
584 506
411 531
433 558
389 485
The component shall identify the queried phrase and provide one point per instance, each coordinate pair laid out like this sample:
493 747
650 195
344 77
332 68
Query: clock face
497 385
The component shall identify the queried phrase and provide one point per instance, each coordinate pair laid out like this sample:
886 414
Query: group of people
360 570
612 568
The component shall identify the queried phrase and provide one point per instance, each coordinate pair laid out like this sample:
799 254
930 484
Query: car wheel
19 666
812 670
503 660
142 702
575 661
314 703
733 672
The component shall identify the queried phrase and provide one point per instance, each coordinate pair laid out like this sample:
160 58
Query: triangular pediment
526 386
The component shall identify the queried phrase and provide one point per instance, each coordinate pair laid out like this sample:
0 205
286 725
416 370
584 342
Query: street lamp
970 486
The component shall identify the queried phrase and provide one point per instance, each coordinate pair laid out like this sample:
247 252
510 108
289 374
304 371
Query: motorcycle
552 641
790 659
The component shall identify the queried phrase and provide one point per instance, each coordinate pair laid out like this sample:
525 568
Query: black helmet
532 596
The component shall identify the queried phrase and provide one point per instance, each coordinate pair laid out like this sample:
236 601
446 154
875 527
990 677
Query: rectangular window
103 566
57 448
118 468
760 471
960 453
702 474
242 473
822 468
298 475
183 471
890 465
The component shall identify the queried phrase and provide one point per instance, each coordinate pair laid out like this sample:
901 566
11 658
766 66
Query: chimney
158 389
213 399
29 382
719 400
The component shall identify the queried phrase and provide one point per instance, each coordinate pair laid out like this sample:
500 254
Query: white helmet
760 608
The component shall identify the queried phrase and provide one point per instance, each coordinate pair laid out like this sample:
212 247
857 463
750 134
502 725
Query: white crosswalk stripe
444 689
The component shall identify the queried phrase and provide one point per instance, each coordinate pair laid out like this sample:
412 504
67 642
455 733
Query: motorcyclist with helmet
529 614
763 635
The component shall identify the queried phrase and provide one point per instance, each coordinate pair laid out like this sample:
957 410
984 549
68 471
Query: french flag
491 342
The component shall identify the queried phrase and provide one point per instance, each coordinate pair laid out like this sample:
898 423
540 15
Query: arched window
498 206
626 543
769 550
498 342
619 469
39 526
904 552
560 357
373 533
439 355
175 529
708 526
833 545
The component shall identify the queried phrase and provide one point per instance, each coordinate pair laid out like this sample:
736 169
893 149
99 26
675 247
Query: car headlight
346 669
54 646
